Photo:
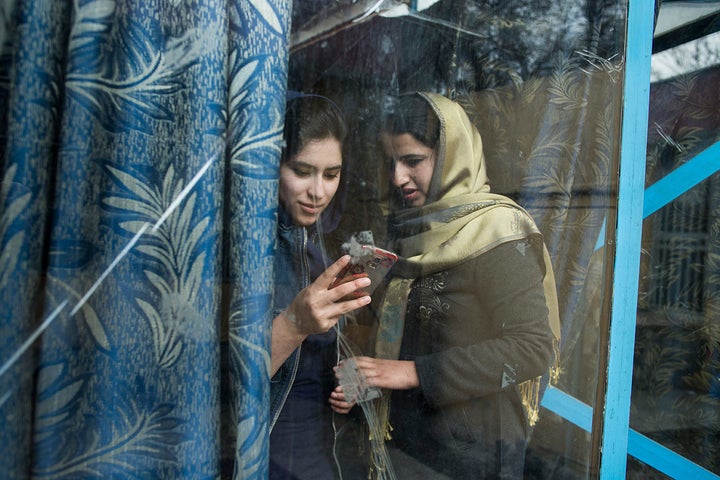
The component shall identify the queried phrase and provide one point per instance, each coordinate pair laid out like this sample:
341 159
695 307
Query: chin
306 220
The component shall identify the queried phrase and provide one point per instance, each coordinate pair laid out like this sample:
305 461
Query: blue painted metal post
636 97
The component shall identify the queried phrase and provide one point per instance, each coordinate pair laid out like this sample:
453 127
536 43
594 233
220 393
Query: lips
310 209
409 193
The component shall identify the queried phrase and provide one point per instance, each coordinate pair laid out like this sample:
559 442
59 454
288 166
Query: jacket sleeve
498 335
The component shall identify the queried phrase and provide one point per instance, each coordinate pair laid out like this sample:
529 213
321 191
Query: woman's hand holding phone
372 262
318 307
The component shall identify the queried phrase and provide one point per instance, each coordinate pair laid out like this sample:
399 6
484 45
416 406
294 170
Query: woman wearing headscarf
468 323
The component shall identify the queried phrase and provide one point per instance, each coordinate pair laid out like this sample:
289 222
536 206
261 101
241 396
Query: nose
317 189
399 173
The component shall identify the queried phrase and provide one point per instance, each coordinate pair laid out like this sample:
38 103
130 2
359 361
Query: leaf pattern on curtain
175 261
253 159
137 217
11 240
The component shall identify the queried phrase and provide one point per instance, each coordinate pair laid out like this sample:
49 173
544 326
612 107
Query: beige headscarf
461 220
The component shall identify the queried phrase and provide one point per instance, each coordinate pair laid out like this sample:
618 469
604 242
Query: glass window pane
541 83
675 381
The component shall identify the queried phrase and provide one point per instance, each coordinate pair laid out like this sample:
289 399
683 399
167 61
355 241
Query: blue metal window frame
628 237
635 203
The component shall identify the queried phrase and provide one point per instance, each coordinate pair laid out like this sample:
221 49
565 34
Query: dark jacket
292 274
475 332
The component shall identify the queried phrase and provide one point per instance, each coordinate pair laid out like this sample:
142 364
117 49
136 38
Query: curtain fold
140 143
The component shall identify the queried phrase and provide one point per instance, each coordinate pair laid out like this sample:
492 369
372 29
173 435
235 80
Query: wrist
292 325
412 375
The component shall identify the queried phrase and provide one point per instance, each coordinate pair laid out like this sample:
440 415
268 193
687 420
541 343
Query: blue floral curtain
139 142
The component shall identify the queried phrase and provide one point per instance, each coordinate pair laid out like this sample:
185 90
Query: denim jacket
292 274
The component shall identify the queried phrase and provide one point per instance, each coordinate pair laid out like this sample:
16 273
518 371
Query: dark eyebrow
411 156
297 163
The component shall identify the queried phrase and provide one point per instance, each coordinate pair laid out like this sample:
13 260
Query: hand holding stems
391 374
316 309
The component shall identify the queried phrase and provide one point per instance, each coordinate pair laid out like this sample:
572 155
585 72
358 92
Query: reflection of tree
521 41
466 44
689 57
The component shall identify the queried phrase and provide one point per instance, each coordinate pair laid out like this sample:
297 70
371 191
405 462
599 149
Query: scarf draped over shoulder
461 220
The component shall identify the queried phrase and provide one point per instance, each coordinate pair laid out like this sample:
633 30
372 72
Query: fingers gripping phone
373 262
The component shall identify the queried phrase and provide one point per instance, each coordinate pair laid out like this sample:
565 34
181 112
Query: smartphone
374 262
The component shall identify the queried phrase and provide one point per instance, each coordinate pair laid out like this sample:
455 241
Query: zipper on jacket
287 390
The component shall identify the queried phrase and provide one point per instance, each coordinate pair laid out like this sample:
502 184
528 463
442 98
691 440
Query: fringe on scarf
379 431
530 389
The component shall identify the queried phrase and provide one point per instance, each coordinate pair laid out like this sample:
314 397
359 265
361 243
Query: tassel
530 389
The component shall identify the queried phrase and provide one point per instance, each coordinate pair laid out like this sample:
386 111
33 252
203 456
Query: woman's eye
414 161
332 176
301 172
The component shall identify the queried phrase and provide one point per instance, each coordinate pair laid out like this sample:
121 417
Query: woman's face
309 180
411 167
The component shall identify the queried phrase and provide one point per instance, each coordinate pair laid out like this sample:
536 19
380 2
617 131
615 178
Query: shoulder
505 256
522 249
508 267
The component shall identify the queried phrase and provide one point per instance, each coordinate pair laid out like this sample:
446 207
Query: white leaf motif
268 14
